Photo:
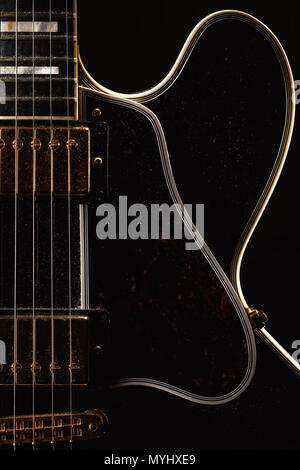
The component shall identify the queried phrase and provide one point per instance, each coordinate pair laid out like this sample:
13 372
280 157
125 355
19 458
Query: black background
129 46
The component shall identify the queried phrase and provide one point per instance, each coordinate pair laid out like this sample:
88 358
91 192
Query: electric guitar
79 313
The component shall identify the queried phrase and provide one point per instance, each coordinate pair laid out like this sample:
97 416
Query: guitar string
51 241
33 228
15 227
69 234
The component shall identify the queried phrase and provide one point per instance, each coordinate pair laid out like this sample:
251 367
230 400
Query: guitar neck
38 59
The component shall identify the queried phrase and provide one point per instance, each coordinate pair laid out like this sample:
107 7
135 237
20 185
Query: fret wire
40 79
8 37
42 98
24 59
28 59
40 118
27 14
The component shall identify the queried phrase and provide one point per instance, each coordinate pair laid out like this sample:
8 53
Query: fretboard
38 59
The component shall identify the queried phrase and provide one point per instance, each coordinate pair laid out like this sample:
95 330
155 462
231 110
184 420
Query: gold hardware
36 367
54 366
71 143
59 140
90 424
98 161
96 112
93 427
36 144
74 366
58 423
54 144
16 368
38 424
2 144
17 144
258 318
76 421
52 369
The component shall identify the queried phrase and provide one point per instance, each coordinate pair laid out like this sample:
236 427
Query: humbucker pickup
43 346
60 427
48 160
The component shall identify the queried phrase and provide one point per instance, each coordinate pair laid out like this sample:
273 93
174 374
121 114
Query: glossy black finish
134 58
171 318
223 119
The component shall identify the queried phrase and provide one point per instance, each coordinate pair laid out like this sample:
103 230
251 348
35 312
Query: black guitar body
228 135
227 111
168 310
223 110
225 130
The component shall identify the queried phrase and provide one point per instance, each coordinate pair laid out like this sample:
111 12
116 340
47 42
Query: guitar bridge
43 428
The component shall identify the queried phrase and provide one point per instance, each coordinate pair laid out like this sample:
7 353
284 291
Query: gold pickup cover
33 342
48 160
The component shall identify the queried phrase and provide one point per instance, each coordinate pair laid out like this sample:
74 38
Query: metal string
15 227
33 229
51 241
69 233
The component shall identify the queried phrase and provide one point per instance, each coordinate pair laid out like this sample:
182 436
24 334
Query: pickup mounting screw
54 367
54 144
2 144
36 367
96 112
71 143
17 144
73 366
16 368
98 161
36 144
93 427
